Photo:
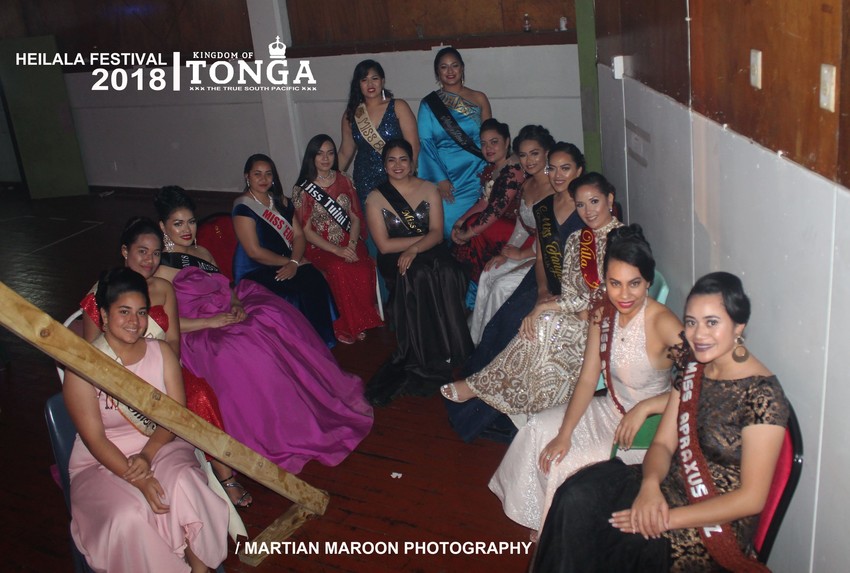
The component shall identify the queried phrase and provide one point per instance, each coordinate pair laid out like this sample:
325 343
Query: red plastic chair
217 235
785 479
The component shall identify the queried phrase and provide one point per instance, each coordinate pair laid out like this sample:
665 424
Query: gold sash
368 129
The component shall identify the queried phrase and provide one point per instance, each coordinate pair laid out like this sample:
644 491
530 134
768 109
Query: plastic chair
75 324
785 480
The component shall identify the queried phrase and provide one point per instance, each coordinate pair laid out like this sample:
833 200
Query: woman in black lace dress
427 286
694 504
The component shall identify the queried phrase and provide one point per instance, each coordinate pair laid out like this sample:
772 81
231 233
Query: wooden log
281 528
36 327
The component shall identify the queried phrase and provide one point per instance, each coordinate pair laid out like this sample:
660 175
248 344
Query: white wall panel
613 126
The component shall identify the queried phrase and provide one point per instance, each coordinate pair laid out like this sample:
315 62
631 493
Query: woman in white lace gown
503 273
559 441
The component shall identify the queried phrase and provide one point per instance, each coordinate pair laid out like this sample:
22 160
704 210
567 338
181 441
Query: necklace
270 207
327 177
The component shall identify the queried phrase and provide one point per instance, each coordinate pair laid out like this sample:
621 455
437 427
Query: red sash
587 258
274 219
605 345
718 539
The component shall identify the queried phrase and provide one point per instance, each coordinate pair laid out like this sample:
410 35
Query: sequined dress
532 375
526 492
368 168
496 285
426 311
352 284
578 537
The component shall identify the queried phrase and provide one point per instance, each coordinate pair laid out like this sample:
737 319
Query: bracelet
294 261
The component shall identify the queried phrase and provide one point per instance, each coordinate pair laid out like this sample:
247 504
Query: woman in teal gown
452 161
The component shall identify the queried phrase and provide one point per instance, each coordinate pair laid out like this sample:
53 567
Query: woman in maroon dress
329 209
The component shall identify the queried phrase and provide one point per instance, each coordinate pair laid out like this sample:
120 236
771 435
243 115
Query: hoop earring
740 352
167 243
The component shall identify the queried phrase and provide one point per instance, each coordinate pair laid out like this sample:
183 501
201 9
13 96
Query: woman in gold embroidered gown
540 366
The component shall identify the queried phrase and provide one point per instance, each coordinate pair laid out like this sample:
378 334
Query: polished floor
411 480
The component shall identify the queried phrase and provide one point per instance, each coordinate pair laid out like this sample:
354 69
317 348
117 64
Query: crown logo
277 49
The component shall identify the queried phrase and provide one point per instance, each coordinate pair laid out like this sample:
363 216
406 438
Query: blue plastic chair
62 434
659 291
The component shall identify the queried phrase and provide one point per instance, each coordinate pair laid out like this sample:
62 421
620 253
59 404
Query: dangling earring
167 243
383 95
740 352
195 242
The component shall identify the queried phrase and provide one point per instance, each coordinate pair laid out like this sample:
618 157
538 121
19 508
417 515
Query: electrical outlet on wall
827 87
755 69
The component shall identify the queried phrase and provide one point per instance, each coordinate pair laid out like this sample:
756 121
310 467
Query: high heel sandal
241 503
449 392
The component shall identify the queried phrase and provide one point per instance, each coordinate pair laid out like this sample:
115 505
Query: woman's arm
559 447
346 146
172 335
505 189
409 129
540 272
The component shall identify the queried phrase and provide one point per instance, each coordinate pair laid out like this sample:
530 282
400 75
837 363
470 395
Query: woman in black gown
427 286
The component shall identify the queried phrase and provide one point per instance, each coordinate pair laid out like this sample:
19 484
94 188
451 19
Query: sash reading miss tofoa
274 219
333 208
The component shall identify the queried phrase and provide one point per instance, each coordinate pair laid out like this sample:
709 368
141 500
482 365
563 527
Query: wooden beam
281 528
49 336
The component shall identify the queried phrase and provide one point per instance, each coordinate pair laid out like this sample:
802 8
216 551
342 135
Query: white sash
275 220
368 129
138 420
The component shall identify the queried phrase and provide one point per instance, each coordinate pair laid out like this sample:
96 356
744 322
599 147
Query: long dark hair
539 134
308 164
276 188
355 96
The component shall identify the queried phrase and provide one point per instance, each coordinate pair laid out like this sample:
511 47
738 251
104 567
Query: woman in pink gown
329 210
139 500
280 389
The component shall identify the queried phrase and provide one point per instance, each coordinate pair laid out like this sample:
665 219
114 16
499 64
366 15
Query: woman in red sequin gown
338 254
141 245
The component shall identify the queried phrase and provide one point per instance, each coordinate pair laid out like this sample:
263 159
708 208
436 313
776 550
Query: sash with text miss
274 219
334 209
402 207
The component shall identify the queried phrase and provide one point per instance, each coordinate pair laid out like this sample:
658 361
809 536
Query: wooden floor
52 251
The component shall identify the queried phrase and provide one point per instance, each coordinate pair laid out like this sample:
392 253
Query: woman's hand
406 259
495 262
223 319
138 467
238 311
154 494
286 272
447 190
649 514
629 426
528 329
554 452
512 252
347 253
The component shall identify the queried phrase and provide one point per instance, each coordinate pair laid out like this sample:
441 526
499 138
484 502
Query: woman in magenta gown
329 210
280 389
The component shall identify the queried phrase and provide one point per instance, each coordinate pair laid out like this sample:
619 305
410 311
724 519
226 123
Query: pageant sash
184 260
274 220
719 539
605 345
138 420
547 233
368 129
587 258
402 207
448 123
333 208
